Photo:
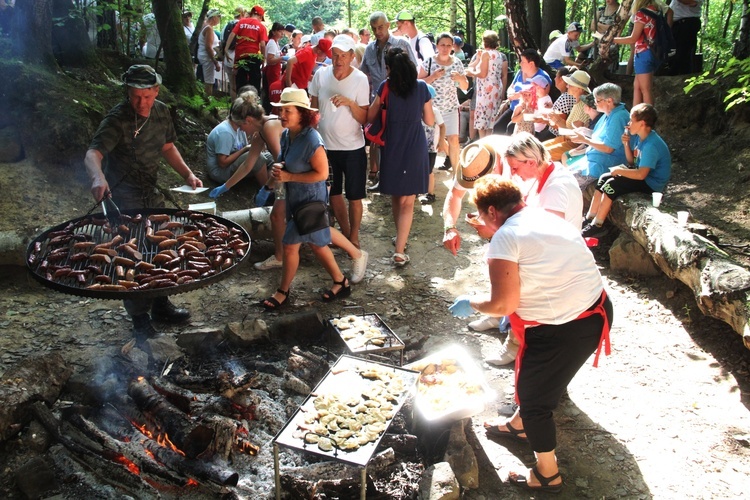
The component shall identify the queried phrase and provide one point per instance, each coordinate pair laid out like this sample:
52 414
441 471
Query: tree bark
720 285
518 27
741 49
178 73
70 41
534 17
33 17
554 19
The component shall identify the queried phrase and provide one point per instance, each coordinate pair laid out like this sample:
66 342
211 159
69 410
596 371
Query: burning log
189 437
195 468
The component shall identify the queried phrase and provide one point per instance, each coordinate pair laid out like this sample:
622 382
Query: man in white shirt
686 24
420 44
342 94
560 52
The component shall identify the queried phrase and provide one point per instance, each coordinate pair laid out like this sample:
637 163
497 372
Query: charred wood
194 468
33 379
307 366
193 439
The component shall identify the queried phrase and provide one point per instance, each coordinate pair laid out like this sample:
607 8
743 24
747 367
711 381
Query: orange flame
130 465
191 482
162 438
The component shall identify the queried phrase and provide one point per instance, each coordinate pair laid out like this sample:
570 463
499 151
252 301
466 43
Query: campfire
231 420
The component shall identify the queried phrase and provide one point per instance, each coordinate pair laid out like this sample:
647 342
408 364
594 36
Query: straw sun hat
294 97
479 159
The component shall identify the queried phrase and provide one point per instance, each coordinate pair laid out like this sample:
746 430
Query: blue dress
404 162
296 154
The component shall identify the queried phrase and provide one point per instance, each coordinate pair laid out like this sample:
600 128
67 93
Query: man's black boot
164 310
142 328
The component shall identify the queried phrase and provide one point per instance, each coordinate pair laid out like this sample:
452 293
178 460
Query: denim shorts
645 62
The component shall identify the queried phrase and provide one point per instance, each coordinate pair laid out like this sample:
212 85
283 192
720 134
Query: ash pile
226 412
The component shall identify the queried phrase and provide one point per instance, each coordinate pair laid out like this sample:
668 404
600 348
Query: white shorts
209 71
451 122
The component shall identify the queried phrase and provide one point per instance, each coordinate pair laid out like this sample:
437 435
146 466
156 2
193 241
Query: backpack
419 52
663 42
225 36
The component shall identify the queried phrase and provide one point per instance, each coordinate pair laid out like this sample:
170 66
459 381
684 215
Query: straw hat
578 79
479 159
294 97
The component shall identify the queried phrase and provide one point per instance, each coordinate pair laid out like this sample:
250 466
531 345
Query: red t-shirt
274 90
249 32
302 70
649 29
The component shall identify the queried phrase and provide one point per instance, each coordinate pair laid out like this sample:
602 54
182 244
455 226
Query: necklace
137 128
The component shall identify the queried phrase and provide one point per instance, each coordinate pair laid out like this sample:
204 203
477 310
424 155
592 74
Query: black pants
504 126
685 32
248 73
553 355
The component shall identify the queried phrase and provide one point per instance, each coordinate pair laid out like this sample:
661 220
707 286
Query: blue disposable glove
262 197
216 192
461 308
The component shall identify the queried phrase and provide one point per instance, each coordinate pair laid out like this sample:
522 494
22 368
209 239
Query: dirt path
666 416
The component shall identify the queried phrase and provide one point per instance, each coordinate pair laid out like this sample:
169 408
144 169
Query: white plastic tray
456 395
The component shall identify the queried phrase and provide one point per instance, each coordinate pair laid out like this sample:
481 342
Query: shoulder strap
384 95
429 66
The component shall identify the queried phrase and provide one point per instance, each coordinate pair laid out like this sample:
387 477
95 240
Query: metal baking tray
384 341
344 380
97 229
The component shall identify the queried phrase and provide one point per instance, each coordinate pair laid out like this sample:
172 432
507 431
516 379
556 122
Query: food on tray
445 385
349 421
359 333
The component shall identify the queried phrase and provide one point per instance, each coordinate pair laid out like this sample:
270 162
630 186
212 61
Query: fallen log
720 285
190 437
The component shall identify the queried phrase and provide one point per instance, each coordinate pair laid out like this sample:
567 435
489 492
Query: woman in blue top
404 162
529 62
604 146
652 165
303 167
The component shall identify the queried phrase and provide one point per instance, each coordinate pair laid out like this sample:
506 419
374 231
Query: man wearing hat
342 95
251 35
559 53
299 69
420 44
134 136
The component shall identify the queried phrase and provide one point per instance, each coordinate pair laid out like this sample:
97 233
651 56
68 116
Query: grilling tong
110 209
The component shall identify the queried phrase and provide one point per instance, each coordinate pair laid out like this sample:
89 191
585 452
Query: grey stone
460 456
35 478
439 483
162 349
246 333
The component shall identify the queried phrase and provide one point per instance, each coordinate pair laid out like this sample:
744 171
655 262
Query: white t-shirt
339 129
425 47
560 193
272 47
556 50
559 277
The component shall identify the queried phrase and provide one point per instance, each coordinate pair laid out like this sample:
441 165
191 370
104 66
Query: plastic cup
656 199
682 217
528 117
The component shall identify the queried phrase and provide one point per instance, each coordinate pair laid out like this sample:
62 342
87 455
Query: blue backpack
663 42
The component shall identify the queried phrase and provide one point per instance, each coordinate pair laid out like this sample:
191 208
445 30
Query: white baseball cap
344 43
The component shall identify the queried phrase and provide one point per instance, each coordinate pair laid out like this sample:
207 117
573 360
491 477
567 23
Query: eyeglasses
602 99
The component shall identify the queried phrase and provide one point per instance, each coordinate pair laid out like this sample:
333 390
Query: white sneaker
507 353
269 263
359 266
484 323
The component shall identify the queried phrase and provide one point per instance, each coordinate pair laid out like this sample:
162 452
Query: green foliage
736 71
202 103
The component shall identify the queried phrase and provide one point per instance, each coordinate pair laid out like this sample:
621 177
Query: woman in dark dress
404 162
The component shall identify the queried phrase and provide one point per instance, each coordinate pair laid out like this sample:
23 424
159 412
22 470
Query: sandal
393 242
400 259
271 304
344 291
493 432
544 485
373 176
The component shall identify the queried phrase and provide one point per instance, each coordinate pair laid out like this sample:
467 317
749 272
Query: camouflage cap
141 76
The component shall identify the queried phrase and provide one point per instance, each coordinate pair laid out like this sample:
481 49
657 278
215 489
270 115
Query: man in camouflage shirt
134 136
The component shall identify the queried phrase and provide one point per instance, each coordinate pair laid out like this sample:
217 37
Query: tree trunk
178 72
518 27
720 285
70 41
622 16
471 24
554 19
534 17
33 17
741 49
